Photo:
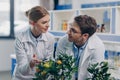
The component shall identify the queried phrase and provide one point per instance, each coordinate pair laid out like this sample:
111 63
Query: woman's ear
31 22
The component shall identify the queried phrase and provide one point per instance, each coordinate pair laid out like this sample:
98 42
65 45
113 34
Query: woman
34 44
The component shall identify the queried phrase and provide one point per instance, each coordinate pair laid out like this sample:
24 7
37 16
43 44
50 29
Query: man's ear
86 35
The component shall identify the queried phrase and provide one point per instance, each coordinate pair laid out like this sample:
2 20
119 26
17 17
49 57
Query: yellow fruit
46 65
59 62
43 73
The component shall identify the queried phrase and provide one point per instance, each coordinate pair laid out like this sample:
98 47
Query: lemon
46 65
59 62
43 73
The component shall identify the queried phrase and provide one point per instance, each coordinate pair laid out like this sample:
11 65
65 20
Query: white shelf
117 20
110 16
60 16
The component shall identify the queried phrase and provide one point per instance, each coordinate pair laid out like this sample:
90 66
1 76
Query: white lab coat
25 46
94 52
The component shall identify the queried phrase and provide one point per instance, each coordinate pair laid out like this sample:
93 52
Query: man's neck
80 44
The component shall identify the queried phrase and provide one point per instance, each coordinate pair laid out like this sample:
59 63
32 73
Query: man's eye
73 30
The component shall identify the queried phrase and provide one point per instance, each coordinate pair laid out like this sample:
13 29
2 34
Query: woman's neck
35 34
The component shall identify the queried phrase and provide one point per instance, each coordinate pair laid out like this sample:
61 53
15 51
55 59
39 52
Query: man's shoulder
64 40
94 40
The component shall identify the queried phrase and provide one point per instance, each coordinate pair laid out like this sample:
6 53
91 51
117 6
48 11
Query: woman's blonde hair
36 13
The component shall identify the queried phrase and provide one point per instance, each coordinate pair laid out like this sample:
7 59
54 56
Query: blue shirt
77 54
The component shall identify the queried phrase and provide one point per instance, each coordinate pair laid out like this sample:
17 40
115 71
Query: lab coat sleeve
58 48
21 57
61 44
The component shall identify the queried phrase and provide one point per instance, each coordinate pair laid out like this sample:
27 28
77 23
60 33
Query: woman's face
42 25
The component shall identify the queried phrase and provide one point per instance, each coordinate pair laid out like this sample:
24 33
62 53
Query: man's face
74 33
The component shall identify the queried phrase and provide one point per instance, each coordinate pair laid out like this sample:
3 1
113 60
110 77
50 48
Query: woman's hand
34 61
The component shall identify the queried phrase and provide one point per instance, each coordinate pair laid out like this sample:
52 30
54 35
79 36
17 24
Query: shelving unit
117 20
110 16
59 18
102 16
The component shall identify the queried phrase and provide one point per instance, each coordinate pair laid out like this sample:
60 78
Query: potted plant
61 68
99 71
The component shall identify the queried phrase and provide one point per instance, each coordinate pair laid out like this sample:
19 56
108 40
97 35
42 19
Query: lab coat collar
28 37
91 41
89 47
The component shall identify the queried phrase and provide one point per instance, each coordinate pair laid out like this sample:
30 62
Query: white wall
48 4
6 48
76 4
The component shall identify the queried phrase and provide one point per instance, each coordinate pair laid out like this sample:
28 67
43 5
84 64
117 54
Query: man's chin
70 39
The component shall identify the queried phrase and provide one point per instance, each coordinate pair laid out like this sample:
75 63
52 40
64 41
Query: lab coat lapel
88 50
84 56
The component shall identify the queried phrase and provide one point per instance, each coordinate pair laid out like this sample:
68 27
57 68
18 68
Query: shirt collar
82 47
42 37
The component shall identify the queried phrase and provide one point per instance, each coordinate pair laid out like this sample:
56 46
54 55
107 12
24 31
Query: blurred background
13 20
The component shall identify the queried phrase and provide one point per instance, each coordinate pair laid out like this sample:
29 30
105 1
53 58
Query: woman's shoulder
49 35
22 34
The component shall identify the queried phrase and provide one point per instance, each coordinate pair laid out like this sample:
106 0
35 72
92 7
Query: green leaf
99 71
66 69
90 70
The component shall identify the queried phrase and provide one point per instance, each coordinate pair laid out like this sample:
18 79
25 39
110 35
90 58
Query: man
83 44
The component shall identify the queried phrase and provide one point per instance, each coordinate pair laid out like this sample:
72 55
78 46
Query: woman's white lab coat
25 46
